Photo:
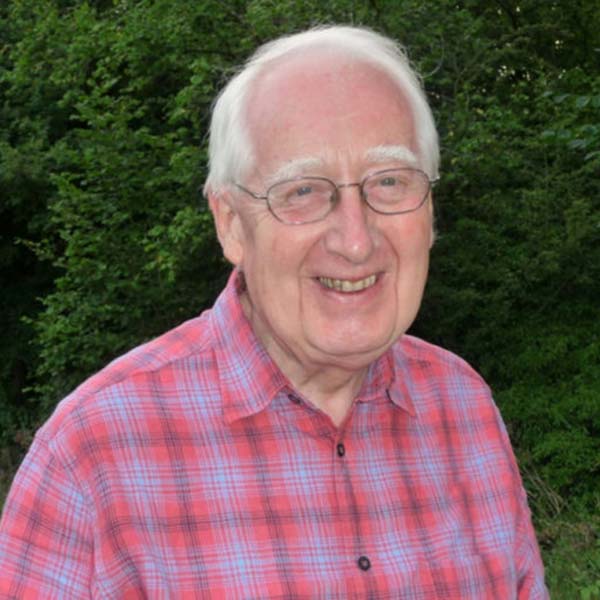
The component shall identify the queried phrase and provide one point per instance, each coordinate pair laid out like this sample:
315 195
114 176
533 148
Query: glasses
308 199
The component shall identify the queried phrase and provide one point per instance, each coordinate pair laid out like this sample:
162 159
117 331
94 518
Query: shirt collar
389 374
249 378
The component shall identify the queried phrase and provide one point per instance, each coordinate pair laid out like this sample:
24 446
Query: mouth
347 286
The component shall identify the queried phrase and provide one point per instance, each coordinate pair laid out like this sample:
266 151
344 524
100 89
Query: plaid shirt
190 468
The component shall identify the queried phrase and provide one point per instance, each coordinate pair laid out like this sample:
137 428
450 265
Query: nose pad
339 192
349 185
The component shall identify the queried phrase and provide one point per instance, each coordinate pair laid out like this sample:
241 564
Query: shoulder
425 359
453 405
441 386
140 382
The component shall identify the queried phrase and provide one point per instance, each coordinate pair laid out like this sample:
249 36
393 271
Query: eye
303 190
388 181
306 191
392 180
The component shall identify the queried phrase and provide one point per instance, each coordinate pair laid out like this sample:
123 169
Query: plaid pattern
189 468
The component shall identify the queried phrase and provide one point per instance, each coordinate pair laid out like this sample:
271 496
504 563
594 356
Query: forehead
326 106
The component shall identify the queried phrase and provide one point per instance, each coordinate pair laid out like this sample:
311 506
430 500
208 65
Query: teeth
343 285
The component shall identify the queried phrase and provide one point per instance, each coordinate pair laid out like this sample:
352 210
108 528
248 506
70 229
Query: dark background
106 242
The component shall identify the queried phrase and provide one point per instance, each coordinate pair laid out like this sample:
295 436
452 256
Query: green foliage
105 240
119 110
569 539
516 271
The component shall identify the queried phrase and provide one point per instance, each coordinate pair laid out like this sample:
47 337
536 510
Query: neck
329 387
331 390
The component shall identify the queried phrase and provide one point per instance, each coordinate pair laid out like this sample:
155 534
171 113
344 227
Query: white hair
230 147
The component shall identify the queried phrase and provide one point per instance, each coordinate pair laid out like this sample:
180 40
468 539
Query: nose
351 234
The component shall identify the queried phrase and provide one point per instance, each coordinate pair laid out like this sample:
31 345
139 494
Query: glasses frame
336 195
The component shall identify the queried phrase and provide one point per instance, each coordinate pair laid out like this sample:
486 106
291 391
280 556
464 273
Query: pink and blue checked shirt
189 468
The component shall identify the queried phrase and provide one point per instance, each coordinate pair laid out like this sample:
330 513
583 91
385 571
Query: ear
433 234
228 225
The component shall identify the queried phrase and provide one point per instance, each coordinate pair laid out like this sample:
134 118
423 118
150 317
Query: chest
379 511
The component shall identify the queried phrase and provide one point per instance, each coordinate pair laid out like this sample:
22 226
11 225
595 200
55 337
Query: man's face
328 117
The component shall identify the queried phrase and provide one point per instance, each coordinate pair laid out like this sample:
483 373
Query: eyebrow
386 153
294 168
306 164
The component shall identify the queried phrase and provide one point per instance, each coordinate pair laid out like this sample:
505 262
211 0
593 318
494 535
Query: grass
568 531
571 553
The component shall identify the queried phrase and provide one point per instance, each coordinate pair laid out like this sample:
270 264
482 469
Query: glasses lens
301 200
396 190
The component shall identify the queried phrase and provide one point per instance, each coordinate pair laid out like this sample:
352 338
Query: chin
352 352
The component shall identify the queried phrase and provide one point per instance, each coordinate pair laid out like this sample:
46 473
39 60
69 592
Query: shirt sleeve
528 561
46 548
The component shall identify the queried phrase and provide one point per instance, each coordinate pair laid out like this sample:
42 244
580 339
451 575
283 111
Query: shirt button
294 398
364 563
341 450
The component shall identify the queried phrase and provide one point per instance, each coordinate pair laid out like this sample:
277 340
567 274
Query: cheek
249 235
412 239
271 268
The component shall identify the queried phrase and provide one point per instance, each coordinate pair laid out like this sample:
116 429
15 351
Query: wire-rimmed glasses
308 199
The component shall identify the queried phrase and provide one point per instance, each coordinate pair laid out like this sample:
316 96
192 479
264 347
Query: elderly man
292 442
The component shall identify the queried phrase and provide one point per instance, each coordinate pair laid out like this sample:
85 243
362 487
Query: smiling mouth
347 286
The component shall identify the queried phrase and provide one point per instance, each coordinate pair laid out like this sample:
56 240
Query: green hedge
105 240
